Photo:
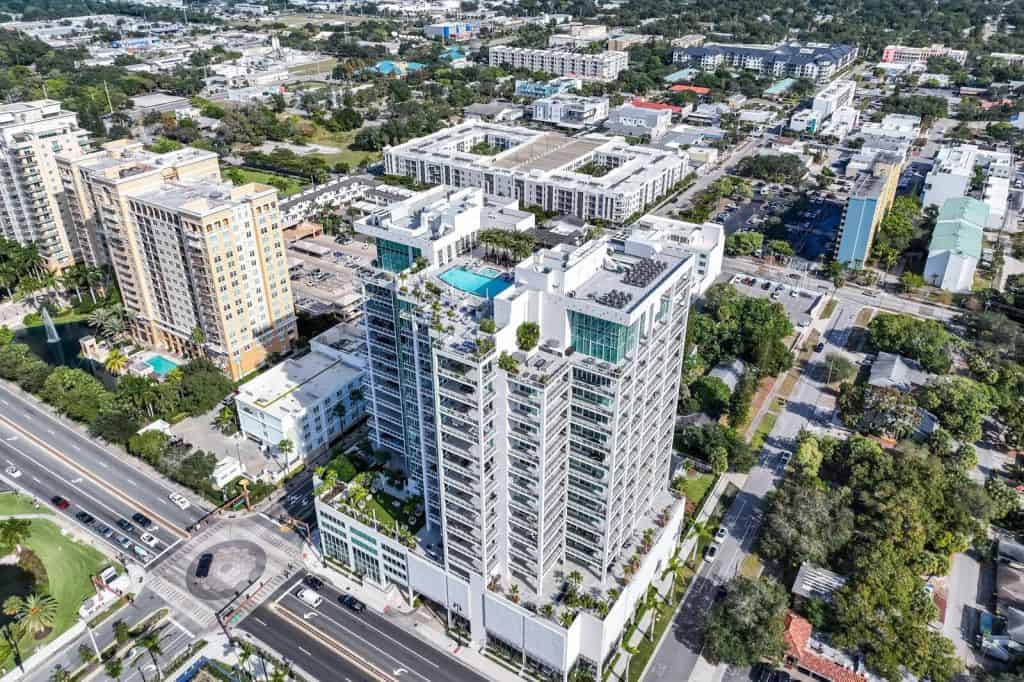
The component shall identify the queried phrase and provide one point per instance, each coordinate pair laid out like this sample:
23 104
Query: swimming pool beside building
486 283
161 366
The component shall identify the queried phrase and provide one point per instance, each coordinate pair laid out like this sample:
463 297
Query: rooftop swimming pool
486 283
161 365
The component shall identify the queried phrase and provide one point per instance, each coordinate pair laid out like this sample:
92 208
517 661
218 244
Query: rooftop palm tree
116 361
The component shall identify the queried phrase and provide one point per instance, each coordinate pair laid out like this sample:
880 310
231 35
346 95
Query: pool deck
141 363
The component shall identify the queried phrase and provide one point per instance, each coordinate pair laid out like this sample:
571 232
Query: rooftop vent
615 298
644 272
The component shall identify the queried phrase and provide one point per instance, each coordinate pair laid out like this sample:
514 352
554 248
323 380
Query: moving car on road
721 534
13 471
203 567
314 583
60 502
710 553
142 520
179 501
310 597
149 539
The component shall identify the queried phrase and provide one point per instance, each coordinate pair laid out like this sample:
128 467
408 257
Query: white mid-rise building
578 35
570 111
540 443
587 177
706 242
837 94
900 126
31 135
308 400
600 66
956 168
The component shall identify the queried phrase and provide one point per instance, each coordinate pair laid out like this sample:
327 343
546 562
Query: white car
13 471
310 597
149 539
179 501
721 534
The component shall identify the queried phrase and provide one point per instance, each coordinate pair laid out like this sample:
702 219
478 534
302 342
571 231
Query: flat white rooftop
293 386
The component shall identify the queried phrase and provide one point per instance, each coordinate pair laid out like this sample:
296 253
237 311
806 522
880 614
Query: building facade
449 30
816 61
956 245
541 457
957 168
200 264
308 401
535 89
870 199
570 111
901 54
32 134
602 66
633 121
542 168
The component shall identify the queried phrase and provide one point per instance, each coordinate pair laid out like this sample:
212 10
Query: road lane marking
371 644
258 620
331 643
305 651
181 627
45 447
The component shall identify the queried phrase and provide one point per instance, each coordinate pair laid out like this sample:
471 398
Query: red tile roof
644 104
798 633
697 89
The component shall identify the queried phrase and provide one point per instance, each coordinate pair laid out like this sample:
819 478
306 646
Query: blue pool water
476 282
161 365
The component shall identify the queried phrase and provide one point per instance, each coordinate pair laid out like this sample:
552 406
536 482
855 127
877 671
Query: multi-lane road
332 642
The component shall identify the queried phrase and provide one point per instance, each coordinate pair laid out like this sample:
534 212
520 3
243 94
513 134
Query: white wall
950 271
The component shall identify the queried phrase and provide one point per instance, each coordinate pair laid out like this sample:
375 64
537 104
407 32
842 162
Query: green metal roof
960 227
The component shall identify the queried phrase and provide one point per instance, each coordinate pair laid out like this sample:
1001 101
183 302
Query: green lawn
763 429
697 486
69 565
288 185
16 503
829 308
324 66
342 141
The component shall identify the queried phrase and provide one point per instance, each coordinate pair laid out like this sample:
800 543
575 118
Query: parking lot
326 282
797 295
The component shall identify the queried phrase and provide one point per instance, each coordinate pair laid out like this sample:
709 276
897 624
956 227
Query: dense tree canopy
747 625
923 340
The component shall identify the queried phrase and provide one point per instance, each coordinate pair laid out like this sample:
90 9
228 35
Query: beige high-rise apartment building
32 134
200 263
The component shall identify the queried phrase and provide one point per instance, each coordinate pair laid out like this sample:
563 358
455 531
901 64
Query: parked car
60 502
105 531
721 534
710 553
203 567
124 541
314 583
141 552
125 526
819 347
352 603
149 540
85 517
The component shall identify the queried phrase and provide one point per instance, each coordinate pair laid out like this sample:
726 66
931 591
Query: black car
314 583
85 517
203 567
142 520
125 526
352 603
820 347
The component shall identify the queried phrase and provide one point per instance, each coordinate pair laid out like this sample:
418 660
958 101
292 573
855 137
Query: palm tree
91 278
198 338
59 674
575 579
12 605
278 675
227 420
150 641
116 361
244 655
114 668
37 613
675 568
285 447
702 531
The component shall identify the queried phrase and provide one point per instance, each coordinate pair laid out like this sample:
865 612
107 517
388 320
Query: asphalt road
367 636
808 405
136 489
44 476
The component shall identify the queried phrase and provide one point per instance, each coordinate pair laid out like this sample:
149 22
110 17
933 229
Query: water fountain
51 330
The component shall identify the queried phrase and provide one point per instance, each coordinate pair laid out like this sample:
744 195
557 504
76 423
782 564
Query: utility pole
106 89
